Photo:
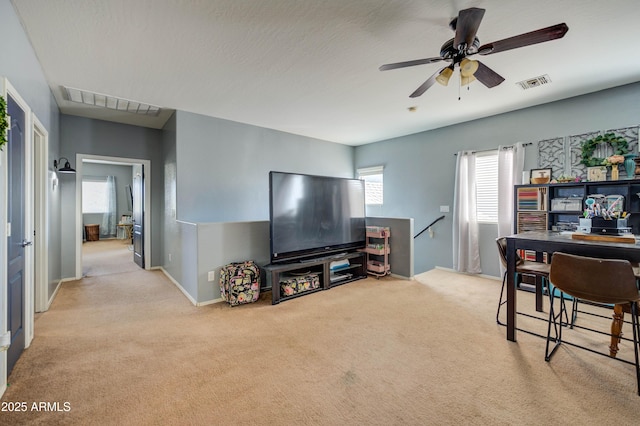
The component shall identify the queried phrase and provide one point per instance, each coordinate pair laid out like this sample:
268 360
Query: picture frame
538 176
596 173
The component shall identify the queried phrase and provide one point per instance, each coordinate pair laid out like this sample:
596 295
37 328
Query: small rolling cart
378 251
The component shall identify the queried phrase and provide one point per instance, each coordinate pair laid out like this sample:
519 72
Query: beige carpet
129 349
104 257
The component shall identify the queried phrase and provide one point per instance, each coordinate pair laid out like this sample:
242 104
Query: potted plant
4 123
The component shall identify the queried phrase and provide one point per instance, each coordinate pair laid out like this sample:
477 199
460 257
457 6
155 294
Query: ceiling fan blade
534 37
430 82
405 64
487 76
467 26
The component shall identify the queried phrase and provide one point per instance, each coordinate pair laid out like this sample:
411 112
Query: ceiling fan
465 43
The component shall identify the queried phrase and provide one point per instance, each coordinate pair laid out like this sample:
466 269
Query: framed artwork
596 174
540 176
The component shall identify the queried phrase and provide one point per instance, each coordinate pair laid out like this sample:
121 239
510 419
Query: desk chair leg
556 320
616 330
501 302
636 341
539 287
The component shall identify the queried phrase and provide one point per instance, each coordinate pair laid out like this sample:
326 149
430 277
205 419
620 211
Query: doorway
83 161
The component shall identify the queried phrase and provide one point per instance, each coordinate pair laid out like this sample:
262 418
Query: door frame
41 217
8 89
146 208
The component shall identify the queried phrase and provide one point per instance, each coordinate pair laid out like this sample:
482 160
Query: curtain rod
493 149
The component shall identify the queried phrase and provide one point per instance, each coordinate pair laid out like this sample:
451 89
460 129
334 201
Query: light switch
444 209
211 276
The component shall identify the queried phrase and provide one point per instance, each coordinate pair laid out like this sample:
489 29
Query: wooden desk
550 242
127 230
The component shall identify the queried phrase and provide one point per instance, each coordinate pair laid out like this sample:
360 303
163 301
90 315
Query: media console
315 271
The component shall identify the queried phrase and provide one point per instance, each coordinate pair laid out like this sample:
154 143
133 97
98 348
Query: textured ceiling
310 67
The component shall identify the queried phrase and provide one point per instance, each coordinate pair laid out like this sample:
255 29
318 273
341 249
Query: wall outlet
211 276
169 257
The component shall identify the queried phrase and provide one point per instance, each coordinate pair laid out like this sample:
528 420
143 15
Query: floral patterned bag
240 282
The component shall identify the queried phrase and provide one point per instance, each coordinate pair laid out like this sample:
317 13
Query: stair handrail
429 226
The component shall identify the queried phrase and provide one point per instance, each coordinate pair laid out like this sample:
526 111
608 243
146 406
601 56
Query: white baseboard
177 284
210 302
55 293
491 277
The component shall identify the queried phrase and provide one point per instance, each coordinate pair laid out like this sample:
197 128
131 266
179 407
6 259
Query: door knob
26 243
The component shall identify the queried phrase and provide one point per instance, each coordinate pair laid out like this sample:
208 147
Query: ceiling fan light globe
444 76
464 81
468 67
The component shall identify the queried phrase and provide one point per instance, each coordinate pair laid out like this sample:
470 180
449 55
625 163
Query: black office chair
602 281
538 269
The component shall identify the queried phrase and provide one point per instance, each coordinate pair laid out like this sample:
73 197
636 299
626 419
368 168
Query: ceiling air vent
111 102
530 83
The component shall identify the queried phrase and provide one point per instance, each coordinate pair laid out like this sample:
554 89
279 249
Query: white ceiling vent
107 101
534 82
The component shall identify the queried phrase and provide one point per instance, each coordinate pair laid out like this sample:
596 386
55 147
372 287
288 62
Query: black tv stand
328 257
317 266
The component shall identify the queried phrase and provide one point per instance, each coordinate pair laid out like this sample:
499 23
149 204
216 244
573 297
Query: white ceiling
310 67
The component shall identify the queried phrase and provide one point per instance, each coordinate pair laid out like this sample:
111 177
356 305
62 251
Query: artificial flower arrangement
613 160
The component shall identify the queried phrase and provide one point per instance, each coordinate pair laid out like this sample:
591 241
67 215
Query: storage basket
299 284
92 232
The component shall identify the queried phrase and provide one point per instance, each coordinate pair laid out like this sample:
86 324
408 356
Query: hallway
105 257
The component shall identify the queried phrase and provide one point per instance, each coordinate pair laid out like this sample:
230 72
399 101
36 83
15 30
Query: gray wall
96 137
20 66
400 244
223 166
123 177
217 171
419 169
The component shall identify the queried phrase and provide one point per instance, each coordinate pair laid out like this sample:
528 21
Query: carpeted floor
129 348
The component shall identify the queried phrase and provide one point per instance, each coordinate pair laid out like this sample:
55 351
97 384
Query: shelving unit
317 273
378 251
563 204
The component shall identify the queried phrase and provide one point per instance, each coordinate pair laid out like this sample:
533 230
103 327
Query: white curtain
108 227
510 168
466 252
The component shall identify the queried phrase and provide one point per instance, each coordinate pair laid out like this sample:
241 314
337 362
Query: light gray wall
123 177
20 66
80 135
223 243
223 166
217 174
419 169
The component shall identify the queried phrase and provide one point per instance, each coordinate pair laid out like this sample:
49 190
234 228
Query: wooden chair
538 269
602 281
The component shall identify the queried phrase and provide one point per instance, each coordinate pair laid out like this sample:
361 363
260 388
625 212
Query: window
487 186
373 186
95 195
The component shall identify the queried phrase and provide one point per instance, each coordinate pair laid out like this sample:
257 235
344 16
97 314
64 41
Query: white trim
55 293
80 158
3 253
177 284
188 296
491 277
41 226
375 170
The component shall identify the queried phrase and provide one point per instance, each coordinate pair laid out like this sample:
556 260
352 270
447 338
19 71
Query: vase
629 165
614 172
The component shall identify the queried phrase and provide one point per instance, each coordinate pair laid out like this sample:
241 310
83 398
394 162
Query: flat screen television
314 216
